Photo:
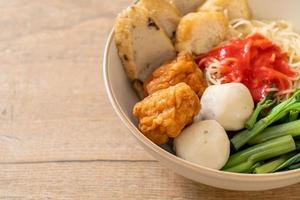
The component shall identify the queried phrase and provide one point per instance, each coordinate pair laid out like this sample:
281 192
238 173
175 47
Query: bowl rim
163 153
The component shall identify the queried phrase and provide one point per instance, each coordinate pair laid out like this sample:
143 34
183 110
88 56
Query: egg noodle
280 32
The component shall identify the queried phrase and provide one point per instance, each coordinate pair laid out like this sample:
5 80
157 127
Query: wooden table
59 137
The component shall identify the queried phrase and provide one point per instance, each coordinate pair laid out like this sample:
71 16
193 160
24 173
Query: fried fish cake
186 6
182 69
234 9
199 32
163 114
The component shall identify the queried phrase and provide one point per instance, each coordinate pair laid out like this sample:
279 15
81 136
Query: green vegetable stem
293 115
294 166
258 164
244 167
276 113
291 128
265 103
297 142
270 166
243 160
289 162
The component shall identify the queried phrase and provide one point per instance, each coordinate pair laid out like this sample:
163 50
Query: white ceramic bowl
123 98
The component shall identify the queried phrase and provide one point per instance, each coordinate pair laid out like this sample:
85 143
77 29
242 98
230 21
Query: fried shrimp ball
182 69
163 114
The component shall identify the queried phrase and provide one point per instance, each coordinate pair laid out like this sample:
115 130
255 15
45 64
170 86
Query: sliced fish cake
142 44
166 15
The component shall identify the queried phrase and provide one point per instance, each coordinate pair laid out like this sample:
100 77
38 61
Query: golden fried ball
182 69
163 114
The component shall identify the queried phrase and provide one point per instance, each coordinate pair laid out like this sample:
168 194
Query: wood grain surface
59 137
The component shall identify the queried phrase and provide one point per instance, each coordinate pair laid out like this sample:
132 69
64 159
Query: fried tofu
166 15
165 113
198 33
142 44
234 9
182 69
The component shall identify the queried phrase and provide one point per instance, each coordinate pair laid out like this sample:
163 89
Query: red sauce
255 61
